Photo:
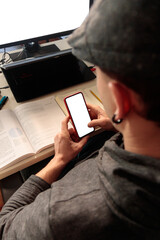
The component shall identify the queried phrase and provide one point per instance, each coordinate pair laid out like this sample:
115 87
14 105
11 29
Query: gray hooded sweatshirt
115 195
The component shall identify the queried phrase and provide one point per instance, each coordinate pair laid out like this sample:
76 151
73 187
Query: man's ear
121 97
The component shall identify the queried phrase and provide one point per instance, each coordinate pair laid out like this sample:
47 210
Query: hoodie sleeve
26 213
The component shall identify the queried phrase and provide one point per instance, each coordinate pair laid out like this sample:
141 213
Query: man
115 193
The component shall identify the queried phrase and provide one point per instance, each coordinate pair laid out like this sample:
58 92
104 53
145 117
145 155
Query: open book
28 129
91 95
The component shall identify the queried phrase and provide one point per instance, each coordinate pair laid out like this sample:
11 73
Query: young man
114 194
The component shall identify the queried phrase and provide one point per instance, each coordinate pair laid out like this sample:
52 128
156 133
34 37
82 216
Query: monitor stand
33 49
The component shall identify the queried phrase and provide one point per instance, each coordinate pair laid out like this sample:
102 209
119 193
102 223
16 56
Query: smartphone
78 112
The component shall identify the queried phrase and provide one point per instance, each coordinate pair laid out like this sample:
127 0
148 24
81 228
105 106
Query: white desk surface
11 104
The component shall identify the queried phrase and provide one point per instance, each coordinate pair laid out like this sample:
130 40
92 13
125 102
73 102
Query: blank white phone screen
79 114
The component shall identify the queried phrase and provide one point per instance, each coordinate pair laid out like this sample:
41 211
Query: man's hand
65 150
99 118
65 145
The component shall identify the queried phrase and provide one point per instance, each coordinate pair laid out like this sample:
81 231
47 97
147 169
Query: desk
11 103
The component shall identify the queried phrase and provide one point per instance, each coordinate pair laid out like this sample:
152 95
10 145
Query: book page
60 99
13 141
41 121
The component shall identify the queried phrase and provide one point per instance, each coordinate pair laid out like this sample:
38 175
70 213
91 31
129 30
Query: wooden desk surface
11 104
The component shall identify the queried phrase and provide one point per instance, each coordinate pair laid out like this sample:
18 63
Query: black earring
116 121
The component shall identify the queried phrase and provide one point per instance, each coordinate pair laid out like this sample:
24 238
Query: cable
4 87
4 60
16 58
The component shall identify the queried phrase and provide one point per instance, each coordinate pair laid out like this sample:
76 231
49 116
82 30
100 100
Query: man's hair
148 90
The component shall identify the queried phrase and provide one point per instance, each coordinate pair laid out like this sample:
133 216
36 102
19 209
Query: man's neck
142 137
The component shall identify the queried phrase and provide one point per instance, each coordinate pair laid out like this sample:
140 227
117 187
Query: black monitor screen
29 20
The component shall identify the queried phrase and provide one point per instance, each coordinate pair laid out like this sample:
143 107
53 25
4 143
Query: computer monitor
29 21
